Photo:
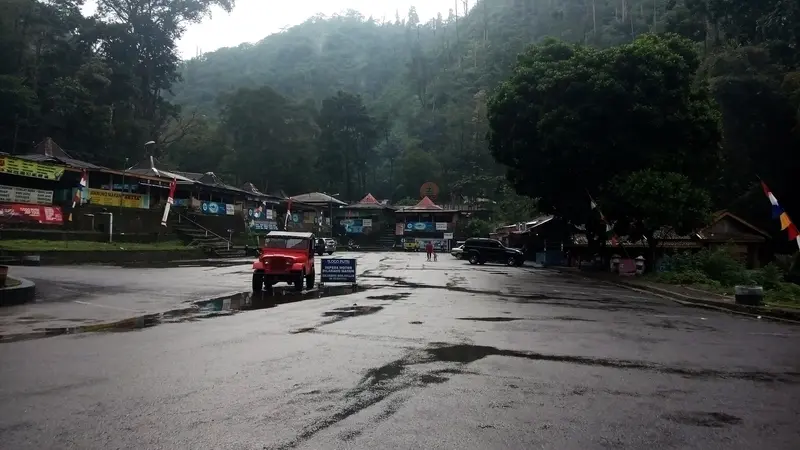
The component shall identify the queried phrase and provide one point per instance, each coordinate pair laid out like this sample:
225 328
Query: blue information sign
335 270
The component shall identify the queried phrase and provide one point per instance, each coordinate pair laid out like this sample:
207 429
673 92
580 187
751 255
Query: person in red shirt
429 249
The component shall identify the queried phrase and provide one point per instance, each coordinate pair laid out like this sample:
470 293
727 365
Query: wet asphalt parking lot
437 355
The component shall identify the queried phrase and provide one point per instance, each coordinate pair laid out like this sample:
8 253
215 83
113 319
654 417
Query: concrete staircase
195 234
386 239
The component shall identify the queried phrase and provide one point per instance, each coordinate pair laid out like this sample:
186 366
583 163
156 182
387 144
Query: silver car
458 252
330 245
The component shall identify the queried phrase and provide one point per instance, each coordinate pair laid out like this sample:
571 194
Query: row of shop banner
24 168
356 226
217 209
113 198
14 194
424 227
48 215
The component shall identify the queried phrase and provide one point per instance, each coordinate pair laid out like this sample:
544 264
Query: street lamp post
330 213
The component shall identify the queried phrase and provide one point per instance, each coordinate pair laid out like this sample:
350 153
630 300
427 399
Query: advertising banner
356 226
438 244
213 208
23 168
50 215
448 236
122 199
13 194
399 228
338 270
230 209
427 227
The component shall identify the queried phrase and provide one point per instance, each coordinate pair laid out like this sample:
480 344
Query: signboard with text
14 194
24 168
122 199
337 270
49 215
399 228
264 225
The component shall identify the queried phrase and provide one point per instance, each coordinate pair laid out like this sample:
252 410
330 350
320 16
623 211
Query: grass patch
11 282
37 245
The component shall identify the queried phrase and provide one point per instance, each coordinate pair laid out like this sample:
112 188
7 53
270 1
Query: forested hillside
346 104
424 85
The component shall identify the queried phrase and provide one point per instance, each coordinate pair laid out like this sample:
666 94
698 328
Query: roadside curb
25 292
131 323
776 314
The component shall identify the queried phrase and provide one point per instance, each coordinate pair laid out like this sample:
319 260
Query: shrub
784 293
686 277
769 277
720 265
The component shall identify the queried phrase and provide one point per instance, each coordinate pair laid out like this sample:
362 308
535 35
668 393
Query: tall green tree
271 139
347 142
653 205
571 118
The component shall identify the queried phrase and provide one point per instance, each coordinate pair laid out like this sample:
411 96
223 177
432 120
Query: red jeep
285 257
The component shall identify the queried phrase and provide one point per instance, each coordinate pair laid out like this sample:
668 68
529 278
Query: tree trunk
652 247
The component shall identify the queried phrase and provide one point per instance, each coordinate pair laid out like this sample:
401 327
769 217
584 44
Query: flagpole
608 225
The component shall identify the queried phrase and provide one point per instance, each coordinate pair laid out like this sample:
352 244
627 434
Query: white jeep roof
290 234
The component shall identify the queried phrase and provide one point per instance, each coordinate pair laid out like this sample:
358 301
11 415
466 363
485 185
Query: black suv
482 250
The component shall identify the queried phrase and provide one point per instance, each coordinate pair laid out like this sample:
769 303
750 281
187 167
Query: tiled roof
369 199
424 205
368 202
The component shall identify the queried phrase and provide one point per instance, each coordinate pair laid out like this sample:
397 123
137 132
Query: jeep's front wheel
298 282
310 281
258 282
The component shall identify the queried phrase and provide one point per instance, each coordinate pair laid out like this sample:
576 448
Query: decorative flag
170 201
593 205
288 214
78 193
780 214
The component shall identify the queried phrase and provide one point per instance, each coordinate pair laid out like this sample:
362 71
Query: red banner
50 215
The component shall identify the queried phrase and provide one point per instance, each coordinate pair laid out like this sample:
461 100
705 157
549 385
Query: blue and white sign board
337 270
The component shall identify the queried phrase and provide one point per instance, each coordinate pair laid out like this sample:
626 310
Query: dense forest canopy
347 104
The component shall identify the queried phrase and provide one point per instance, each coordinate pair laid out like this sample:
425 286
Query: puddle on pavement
489 319
703 419
398 296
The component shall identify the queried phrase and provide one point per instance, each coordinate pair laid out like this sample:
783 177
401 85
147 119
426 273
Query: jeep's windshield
284 242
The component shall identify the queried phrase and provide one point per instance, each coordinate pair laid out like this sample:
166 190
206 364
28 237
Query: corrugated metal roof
317 197
69 162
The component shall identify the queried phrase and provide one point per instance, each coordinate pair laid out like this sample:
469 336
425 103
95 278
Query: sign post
338 270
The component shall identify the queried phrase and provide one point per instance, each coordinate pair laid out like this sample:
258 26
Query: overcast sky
252 20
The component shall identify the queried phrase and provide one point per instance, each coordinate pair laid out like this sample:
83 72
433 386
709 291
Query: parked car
286 257
325 245
411 246
483 250
458 252
330 245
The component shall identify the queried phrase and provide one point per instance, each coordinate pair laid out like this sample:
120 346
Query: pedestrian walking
429 249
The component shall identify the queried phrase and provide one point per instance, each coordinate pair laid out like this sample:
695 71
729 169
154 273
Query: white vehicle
326 245
458 252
